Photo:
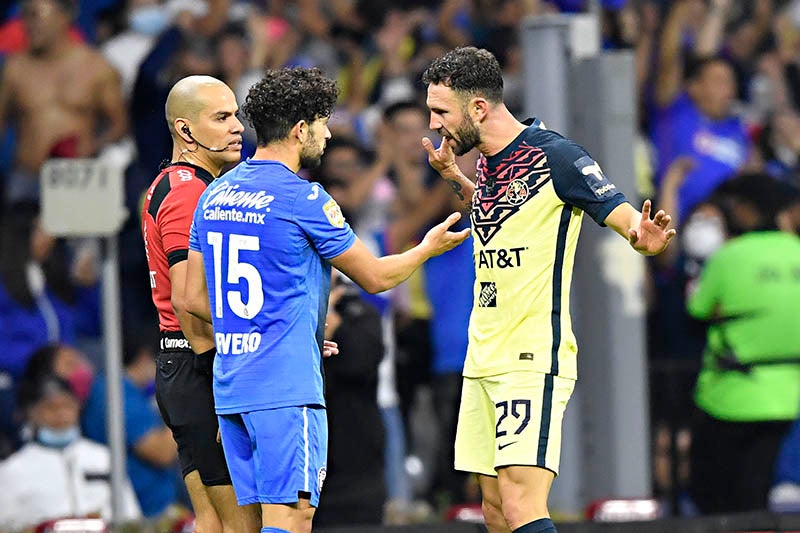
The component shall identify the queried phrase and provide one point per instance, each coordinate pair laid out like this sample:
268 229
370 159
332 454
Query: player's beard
466 136
311 153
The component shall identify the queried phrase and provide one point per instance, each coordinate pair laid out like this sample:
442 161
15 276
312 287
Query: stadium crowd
718 83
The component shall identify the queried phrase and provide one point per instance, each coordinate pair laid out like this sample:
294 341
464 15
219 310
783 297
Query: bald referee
206 136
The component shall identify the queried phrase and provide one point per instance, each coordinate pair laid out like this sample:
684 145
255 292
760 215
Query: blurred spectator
422 200
184 49
240 61
419 196
779 144
64 362
146 19
59 474
748 392
63 96
37 296
355 486
14 34
55 359
365 195
695 118
151 452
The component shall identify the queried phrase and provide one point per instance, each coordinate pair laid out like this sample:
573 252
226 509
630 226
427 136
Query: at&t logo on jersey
503 258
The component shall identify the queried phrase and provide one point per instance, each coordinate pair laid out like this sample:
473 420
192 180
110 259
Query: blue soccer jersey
266 236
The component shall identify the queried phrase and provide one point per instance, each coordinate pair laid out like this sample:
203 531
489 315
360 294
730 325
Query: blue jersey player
261 249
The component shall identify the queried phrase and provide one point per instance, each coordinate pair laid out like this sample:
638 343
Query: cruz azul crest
501 192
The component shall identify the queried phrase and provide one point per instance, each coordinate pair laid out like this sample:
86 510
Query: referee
206 135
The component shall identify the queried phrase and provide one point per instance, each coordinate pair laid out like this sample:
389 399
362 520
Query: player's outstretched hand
651 237
442 159
329 348
439 239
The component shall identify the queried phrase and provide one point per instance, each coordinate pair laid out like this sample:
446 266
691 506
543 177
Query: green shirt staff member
750 289
748 391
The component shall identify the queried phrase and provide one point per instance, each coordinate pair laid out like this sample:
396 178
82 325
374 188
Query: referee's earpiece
185 129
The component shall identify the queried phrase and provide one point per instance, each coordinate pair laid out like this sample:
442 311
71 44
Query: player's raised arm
375 274
443 161
647 236
196 293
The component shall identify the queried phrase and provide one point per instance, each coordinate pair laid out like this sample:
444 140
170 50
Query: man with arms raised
532 189
265 239
201 115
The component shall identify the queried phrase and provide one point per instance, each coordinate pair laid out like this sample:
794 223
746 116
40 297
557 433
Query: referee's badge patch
334 213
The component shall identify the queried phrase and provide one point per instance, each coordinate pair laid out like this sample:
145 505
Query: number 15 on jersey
235 270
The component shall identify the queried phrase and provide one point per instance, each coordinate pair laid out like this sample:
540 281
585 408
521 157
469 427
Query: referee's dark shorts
186 401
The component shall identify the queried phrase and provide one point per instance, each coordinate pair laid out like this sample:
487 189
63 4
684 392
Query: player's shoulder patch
334 213
594 177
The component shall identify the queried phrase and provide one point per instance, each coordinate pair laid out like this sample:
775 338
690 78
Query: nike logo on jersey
506 445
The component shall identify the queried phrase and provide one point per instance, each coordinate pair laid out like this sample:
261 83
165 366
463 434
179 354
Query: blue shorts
276 455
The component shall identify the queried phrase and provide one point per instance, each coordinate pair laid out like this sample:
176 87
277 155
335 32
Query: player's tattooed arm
462 187
456 186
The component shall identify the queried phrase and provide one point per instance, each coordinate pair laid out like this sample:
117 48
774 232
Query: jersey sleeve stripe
544 424
176 256
159 193
558 267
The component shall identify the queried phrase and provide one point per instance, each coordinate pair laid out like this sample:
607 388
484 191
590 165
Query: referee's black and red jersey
166 218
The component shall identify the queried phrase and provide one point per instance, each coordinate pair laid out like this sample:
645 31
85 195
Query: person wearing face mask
146 20
151 451
748 390
59 474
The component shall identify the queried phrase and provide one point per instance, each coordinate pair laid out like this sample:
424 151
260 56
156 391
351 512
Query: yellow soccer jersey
526 215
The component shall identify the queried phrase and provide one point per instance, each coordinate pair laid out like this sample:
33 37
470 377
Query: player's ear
182 130
478 107
300 130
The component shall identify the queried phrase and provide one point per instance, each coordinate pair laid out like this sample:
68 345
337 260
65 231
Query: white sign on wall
82 198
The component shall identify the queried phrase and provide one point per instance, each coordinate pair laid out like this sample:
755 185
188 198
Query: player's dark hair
468 70
284 97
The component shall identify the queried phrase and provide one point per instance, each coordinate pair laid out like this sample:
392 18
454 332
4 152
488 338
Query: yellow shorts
511 419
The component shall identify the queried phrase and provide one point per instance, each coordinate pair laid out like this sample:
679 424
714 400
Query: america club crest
517 192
